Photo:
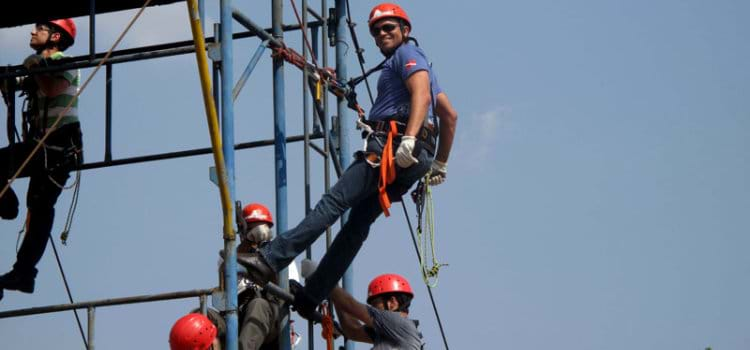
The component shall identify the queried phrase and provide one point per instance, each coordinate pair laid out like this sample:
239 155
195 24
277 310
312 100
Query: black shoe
16 281
9 205
259 270
1 294
303 304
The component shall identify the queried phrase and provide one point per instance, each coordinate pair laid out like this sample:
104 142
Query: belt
426 133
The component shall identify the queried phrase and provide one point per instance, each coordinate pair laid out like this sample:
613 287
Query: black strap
353 82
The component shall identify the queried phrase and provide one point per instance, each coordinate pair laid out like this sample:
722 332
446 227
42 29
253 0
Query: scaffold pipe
212 118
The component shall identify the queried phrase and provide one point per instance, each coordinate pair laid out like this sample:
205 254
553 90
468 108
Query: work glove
438 173
404 157
308 267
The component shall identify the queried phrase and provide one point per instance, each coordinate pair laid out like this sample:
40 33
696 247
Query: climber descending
399 151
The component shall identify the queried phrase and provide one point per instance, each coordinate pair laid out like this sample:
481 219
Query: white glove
404 158
308 267
439 172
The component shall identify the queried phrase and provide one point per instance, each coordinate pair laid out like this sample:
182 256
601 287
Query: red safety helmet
387 10
67 25
256 212
192 332
388 283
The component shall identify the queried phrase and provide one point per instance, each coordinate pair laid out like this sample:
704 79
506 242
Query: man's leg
259 324
41 200
357 183
10 159
343 249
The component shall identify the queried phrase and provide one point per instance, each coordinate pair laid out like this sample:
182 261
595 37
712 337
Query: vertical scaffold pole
227 136
346 125
279 122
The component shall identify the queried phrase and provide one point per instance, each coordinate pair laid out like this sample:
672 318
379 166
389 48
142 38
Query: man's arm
51 84
448 118
350 313
418 85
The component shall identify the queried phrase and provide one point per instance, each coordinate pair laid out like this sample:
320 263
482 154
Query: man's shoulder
409 50
57 55
390 318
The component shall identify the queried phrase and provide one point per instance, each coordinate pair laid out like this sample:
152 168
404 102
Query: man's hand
404 158
32 61
439 172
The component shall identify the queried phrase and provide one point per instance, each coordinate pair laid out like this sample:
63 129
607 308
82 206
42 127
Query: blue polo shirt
393 101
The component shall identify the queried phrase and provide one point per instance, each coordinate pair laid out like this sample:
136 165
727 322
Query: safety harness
67 157
327 331
392 129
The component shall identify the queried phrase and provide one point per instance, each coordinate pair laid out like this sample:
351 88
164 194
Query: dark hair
404 300
65 39
402 23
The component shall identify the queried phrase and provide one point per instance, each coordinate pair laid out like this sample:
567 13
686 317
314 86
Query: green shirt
58 104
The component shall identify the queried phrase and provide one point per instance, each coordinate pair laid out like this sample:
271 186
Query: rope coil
422 196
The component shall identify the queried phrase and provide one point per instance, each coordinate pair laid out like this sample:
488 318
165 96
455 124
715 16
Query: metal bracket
335 136
332 23
214 51
219 300
213 176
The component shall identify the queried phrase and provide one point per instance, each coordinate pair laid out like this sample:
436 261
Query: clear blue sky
597 195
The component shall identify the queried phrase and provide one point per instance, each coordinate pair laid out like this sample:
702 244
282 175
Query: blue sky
597 194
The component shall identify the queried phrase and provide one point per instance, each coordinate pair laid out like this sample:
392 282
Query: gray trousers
259 325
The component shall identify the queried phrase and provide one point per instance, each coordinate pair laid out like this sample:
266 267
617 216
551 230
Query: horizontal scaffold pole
188 153
106 302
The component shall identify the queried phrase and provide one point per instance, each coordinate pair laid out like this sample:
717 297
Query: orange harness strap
327 324
387 170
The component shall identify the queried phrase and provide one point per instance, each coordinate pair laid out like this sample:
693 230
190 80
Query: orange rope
387 170
327 324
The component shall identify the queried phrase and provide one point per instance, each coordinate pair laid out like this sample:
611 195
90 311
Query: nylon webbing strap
387 170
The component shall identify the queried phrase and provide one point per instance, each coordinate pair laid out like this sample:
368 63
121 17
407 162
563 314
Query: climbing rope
429 289
41 144
67 289
359 50
422 197
347 91
71 210
53 127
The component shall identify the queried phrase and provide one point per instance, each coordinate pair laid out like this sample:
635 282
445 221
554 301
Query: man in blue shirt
402 129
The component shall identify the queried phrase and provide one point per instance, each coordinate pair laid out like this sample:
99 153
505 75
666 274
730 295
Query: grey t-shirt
391 331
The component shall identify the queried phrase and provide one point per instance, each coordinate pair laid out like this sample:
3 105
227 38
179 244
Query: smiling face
388 34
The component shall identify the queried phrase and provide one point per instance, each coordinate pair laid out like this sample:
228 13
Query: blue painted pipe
346 123
248 70
279 122
227 135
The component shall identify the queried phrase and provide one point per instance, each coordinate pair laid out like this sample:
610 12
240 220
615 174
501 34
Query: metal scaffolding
331 130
